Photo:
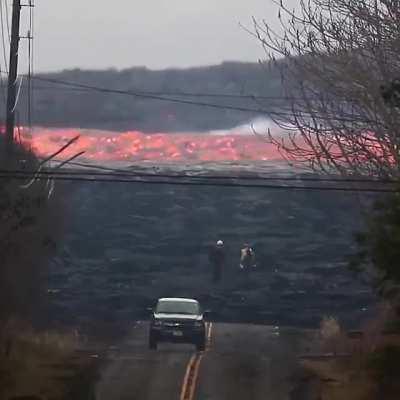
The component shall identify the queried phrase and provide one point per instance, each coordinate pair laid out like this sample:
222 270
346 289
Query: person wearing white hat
217 260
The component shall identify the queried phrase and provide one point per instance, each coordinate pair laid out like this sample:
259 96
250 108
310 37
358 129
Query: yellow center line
195 376
192 370
186 378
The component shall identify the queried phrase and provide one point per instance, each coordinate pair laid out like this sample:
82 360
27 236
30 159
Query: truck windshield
177 307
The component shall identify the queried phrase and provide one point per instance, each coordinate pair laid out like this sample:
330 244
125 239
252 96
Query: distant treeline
66 106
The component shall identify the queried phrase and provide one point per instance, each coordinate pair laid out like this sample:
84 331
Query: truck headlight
157 323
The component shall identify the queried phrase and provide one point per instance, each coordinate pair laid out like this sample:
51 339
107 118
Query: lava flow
135 146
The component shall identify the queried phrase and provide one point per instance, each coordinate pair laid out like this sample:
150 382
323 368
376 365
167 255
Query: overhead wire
148 95
110 172
7 21
3 85
30 64
5 59
181 94
41 176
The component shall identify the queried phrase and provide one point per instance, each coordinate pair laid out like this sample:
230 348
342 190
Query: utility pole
12 75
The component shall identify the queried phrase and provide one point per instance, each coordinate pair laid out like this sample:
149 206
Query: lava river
135 146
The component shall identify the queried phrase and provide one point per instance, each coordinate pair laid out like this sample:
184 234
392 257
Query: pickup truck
177 320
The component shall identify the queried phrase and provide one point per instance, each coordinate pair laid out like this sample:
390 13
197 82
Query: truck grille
178 324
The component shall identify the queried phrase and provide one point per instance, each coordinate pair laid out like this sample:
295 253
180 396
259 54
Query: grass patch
48 365
341 379
393 326
362 366
384 365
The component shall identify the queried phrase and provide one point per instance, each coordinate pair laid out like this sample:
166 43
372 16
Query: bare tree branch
334 56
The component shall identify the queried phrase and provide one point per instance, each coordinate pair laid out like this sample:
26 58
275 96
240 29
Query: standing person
217 260
247 258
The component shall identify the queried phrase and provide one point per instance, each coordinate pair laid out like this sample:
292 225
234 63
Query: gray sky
157 34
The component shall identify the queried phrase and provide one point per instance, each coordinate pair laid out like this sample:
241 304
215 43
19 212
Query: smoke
259 126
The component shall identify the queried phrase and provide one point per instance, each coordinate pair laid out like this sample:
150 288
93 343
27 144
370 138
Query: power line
7 21
111 172
30 64
3 36
212 95
2 83
253 97
253 177
42 176
180 94
148 95
87 87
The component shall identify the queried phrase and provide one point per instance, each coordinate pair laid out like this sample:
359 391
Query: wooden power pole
13 74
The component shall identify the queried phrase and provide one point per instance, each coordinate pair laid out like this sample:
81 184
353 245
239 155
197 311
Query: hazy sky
157 34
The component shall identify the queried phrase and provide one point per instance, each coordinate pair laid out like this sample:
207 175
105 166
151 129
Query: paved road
242 362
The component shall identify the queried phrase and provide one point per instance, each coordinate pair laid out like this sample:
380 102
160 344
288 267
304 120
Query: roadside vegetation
341 74
34 361
356 365
44 364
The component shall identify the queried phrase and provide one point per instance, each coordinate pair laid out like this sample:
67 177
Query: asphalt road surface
241 362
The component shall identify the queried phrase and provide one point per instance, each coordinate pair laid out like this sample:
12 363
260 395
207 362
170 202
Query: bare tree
32 216
337 59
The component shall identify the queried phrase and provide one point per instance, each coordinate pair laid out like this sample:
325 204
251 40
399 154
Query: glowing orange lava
161 147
